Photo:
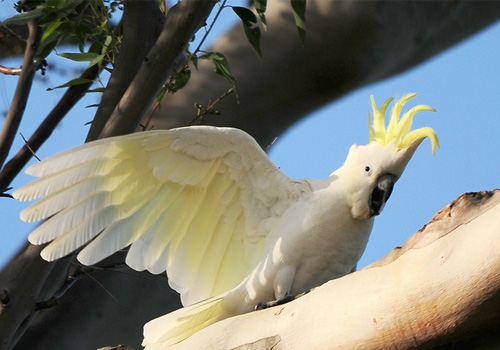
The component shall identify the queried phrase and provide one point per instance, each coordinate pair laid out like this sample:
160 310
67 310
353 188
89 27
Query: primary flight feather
206 205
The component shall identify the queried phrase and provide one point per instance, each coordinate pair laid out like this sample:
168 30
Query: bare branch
10 71
21 94
210 109
28 145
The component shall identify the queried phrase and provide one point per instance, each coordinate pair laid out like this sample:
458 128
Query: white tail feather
176 326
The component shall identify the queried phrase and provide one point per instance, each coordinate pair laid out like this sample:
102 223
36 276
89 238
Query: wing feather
195 201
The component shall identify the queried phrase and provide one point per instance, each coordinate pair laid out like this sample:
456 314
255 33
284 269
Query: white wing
195 201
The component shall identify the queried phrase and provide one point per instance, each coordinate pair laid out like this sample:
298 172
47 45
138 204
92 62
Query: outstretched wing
195 201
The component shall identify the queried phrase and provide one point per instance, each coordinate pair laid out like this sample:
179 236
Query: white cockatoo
206 205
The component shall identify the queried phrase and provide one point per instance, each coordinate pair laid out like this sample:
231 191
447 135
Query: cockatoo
206 205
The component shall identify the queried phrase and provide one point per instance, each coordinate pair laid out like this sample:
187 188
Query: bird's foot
284 300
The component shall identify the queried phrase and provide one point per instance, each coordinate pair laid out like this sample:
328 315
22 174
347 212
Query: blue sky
462 84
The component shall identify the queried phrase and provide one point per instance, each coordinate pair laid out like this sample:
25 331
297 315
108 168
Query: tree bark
441 287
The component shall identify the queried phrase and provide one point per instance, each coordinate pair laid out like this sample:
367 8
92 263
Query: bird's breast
331 243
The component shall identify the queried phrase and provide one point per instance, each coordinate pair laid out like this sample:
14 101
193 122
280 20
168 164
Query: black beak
381 193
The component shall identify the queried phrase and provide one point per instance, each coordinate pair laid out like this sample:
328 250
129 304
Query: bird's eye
367 169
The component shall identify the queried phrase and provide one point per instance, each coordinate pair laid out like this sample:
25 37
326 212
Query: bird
207 206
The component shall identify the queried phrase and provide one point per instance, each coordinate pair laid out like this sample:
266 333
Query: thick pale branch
444 286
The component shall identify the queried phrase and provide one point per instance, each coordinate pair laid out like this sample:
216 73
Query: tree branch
21 94
183 20
443 286
142 22
72 95
10 71
22 282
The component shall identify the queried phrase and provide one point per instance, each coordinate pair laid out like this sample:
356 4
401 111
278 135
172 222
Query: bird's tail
180 324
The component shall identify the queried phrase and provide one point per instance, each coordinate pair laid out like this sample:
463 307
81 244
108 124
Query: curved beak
381 193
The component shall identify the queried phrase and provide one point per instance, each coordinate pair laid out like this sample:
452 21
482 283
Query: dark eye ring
367 169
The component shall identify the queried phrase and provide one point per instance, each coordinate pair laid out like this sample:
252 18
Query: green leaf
101 89
245 14
253 36
221 65
25 17
80 57
260 7
98 60
251 30
54 5
47 46
50 29
77 81
299 14
181 79
58 9
194 59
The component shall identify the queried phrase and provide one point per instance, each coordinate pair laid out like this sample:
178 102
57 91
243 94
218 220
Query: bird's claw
284 300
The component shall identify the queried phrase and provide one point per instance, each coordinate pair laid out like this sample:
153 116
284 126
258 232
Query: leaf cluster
84 21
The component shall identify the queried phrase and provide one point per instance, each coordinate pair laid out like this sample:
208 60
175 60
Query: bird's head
372 169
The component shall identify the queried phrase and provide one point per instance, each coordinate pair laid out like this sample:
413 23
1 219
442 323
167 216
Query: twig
210 107
10 71
207 32
100 285
21 94
46 304
28 145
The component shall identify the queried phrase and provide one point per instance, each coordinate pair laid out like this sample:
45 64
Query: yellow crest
399 129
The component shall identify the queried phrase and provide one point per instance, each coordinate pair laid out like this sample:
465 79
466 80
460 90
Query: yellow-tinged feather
421 133
69 218
54 182
399 129
123 232
184 269
79 235
211 258
148 248
178 325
